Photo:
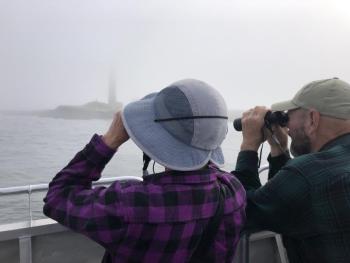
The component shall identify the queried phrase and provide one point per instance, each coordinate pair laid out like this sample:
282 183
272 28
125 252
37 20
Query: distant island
93 109
99 110
90 110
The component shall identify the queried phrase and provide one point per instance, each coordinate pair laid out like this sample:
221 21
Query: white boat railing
37 228
41 187
29 189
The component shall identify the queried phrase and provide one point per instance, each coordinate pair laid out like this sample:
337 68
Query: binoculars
277 117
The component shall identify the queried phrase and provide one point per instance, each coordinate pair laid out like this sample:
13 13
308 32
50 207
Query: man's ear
313 121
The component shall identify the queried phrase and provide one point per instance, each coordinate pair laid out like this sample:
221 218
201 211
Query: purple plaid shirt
158 220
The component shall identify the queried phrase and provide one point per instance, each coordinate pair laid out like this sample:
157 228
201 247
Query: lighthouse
113 104
112 101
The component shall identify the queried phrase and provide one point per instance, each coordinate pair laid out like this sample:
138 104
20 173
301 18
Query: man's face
301 143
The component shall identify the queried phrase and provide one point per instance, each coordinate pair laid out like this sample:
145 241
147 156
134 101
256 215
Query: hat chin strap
146 161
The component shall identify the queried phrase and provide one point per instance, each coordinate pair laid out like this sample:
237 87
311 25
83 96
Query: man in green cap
307 198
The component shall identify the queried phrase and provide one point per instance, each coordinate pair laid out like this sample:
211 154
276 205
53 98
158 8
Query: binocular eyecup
277 117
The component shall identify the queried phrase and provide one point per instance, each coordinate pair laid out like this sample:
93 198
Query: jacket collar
340 140
205 175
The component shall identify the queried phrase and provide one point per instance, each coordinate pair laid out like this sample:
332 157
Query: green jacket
307 200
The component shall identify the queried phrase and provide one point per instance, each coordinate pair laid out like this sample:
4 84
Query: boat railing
25 232
29 189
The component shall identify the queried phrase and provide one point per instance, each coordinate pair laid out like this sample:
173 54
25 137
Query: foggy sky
255 52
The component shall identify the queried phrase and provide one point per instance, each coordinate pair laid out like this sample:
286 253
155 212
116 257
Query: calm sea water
34 149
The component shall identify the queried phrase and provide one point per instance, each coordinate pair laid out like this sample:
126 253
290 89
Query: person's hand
252 128
116 134
281 135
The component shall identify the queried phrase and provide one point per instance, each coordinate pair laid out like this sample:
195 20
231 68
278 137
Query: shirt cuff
247 161
276 163
97 152
280 159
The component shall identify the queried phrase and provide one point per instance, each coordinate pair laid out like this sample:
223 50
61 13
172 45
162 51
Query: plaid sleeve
73 202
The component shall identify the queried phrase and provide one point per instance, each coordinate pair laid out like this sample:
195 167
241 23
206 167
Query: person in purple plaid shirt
191 212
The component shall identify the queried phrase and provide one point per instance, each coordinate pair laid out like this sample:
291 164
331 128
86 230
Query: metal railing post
281 249
25 241
242 250
25 249
30 205
245 248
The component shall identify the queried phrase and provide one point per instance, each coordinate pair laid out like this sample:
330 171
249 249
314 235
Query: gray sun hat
181 127
330 97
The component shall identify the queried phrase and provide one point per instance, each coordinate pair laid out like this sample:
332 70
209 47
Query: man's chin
299 152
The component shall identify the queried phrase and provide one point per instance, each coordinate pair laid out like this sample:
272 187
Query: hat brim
150 136
284 106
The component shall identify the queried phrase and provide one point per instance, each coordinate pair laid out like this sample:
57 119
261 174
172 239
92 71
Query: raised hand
116 134
252 128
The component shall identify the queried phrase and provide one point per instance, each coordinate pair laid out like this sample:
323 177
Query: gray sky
252 51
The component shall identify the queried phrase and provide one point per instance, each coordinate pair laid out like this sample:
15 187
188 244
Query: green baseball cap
330 97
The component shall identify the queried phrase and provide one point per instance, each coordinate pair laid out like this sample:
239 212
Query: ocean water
33 149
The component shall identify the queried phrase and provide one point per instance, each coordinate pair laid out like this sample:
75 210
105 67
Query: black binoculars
277 117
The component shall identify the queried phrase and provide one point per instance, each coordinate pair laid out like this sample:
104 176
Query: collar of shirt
340 140
205 175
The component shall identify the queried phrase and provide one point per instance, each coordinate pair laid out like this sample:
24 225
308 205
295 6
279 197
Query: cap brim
284 106
150 136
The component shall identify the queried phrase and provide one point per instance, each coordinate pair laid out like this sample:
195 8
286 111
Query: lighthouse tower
112 101
112 97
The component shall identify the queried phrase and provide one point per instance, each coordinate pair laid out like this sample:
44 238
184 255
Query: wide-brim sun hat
181 127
